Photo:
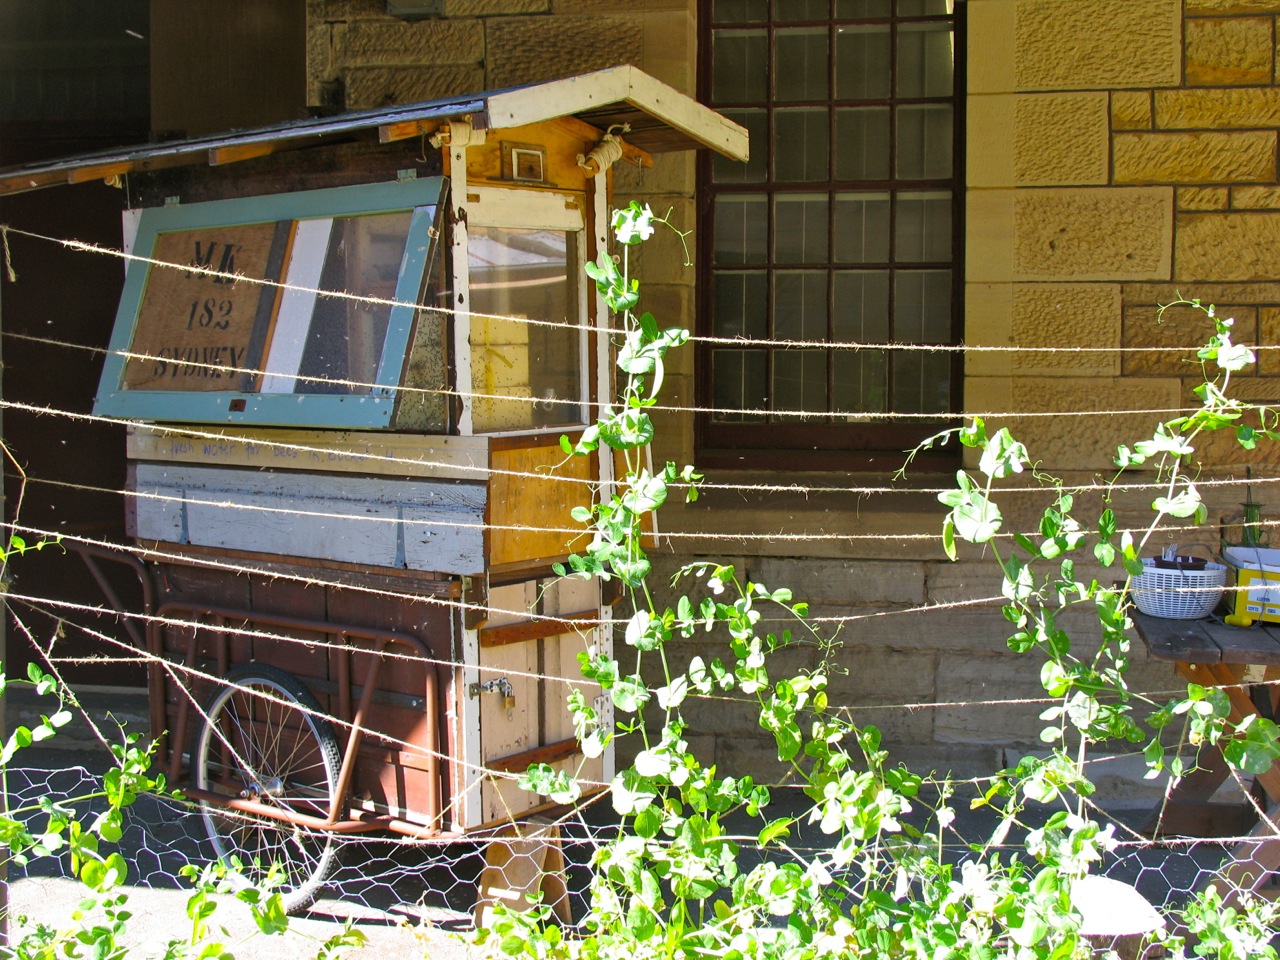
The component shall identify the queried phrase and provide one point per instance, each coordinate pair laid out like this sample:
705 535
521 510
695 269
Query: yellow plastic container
1257 594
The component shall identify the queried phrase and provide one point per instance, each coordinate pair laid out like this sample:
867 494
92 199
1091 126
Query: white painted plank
418 524
625 84
339 451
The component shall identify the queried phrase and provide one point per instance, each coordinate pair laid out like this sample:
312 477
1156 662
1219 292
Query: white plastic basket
1178 594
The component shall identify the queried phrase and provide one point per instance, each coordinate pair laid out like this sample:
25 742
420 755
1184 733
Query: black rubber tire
266 718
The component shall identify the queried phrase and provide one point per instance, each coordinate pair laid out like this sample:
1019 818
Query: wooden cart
347 507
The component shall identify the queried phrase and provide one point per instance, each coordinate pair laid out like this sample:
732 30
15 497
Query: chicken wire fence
387 880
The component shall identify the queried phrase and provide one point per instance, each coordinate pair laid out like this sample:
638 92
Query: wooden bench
1243 662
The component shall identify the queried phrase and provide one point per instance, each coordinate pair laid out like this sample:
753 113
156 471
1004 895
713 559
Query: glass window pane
862 228
800 228
921 382
801 144
926 59
793 10
344 342
924 142
923 233
800 381
521 372
862 143
922 306
738 383
740 66
742 229
739 11
755 170
861 381
800 64
925 8
863 62
855 9
800 305
741 304
861 307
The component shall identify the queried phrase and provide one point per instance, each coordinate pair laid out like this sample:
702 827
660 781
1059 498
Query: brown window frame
790 441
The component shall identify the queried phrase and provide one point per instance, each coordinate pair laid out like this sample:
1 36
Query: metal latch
500 686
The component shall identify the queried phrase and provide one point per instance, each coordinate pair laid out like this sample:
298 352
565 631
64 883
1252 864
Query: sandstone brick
1228 246
1059 138
1179 332
670 48
1082 438
319 62
1157 293
1105 233
961 581
533 49
1097 44
1248 107
1131 110
345 10
380 43
1221 451
988 311
1203 198
1236 50
671 173
1269 335
380 86
989 221
988 159
991 31
1255 198
844 582
1066 316
1232 6
617 6
975 692
493 8
1235 157
890 690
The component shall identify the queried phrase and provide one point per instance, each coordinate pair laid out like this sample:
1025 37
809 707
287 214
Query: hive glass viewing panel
287 310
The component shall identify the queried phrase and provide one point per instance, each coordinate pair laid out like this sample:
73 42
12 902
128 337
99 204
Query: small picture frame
526 163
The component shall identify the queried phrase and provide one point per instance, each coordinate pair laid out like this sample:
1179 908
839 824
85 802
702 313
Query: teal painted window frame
372 410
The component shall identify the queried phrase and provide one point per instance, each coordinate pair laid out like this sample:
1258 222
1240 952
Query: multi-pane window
842 228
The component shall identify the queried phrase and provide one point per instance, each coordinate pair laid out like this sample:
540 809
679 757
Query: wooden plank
1176 640
551 753
391 132
1250 645
99 171
532 491
538 629
574 127
342 451
419 524
234 153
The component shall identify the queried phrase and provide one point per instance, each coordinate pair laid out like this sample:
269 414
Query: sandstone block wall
1142 165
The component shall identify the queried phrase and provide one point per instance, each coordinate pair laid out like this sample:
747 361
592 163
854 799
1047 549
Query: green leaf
775 829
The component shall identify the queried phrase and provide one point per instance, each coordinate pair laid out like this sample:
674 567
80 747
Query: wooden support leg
521 861
1254 859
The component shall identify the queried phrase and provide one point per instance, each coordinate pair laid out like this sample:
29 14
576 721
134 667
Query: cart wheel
265 739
